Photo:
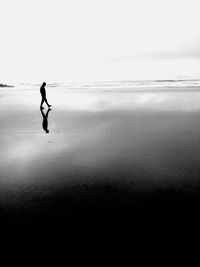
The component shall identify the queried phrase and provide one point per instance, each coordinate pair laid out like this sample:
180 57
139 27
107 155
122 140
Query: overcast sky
88 40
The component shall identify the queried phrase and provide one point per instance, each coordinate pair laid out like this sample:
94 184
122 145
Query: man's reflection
45 120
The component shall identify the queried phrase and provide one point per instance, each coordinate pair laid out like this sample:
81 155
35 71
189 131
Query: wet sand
115 166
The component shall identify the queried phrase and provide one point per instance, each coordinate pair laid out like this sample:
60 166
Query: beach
113 162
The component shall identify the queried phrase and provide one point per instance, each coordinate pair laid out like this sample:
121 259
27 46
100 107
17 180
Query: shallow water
144 140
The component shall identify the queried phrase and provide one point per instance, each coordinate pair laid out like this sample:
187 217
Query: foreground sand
112 162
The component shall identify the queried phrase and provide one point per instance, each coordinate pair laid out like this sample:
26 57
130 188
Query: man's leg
42 101
45 99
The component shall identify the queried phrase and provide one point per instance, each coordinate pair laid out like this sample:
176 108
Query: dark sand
115 167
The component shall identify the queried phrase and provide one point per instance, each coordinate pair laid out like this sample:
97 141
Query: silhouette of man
45 120
43 94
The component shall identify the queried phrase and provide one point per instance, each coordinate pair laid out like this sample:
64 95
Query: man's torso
42 91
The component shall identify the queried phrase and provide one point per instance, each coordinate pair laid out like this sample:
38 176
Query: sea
117 85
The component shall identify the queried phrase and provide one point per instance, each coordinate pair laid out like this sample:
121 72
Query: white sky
87 40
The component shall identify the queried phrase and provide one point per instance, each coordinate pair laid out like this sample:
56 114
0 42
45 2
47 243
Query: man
43 94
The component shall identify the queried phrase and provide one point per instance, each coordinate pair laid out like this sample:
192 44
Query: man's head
44 84
47 131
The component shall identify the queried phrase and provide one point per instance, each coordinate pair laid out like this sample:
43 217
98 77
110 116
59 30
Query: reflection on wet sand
45 119
150 140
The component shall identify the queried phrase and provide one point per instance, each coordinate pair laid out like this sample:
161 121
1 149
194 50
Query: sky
98 40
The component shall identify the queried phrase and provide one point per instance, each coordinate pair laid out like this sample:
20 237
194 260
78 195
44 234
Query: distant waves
114 85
